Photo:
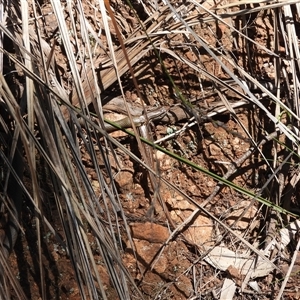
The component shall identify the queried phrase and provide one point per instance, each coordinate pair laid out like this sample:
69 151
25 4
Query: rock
247 217
199 231
184 285
150 232
147 252
214 150
124 178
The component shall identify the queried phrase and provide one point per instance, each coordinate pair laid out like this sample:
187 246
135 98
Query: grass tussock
61 62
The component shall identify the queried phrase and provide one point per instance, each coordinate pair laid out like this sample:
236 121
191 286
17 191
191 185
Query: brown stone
151 232
247 216
184 285
214 150
148 255
124 178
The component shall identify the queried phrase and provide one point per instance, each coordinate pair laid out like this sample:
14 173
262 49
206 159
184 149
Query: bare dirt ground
175 270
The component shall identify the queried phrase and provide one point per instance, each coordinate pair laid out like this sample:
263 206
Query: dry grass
45 117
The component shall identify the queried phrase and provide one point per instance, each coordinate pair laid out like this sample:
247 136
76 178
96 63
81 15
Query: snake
139 118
